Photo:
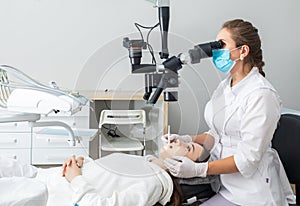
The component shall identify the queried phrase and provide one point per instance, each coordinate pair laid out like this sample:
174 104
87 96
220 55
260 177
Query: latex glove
155 160
150 158
184 138
184 167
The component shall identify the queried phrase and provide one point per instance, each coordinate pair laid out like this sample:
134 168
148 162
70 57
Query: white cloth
13 168
17 186
117 179
22 191
242 119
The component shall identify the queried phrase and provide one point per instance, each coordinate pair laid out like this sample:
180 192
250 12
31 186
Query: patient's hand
72 168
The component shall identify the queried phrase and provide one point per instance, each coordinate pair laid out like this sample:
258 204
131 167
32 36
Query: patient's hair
177 195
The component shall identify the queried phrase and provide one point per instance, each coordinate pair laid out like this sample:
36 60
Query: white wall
78 43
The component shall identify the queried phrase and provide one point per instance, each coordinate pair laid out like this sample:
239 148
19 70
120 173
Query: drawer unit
72 121
43 156
54 149
22 155
19 141
16 146
14 127
50 149
46 141
15 140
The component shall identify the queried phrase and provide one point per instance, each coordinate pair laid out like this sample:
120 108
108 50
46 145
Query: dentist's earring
242 58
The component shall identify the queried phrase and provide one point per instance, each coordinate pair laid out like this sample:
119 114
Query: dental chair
286 141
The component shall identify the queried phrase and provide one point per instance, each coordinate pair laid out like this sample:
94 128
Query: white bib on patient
22 191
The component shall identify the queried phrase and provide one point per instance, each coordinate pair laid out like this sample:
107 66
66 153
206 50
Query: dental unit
25 99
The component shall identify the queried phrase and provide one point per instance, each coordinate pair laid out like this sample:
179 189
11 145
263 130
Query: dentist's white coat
242 119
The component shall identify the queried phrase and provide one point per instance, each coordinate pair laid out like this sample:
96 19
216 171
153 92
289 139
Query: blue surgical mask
221 59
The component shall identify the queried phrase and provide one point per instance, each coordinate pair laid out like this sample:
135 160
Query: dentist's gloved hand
184 167
173 137
150 158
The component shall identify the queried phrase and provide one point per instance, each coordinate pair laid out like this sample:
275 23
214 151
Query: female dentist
242 116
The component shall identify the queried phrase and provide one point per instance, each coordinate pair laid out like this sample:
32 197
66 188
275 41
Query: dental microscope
164 77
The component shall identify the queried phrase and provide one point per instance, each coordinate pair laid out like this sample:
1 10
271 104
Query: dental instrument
169 135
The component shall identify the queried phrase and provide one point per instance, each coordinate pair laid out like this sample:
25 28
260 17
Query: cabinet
156 115
18 142
16 146
50 148
15 141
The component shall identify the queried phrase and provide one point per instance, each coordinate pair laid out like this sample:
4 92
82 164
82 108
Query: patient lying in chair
116 179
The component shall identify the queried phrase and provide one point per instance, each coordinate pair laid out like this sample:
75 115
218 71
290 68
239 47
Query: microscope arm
169 77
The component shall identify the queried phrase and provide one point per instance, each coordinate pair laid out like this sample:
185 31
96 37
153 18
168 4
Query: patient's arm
72 168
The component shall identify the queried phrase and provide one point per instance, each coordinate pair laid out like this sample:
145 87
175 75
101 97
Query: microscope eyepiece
202 51
217 44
